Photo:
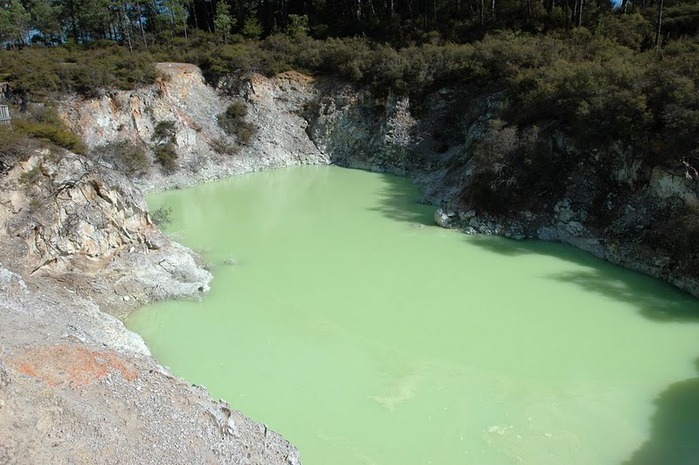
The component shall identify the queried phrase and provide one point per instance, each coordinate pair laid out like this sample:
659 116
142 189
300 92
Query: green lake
366 335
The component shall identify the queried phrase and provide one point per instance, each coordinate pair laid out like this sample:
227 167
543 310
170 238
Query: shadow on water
398 201
509 247
652 298
674 436
675 427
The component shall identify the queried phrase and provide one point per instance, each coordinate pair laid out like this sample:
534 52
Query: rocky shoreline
81 250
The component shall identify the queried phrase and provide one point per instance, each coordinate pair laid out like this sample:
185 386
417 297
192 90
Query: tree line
143 23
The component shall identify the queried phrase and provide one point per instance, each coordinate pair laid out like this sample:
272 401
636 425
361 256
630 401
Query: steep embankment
181 97
75 385
535 182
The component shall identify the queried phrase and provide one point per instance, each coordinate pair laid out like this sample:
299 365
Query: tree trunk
127 27
659 24
73 20
140 23
580 12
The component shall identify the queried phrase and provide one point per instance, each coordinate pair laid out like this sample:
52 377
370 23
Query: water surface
365 335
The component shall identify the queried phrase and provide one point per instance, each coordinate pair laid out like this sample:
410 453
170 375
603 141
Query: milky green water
365 335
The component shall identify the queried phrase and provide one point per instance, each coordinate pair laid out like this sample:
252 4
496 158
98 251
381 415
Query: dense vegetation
609 79
144 23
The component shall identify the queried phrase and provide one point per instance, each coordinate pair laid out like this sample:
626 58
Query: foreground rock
80 246
75 387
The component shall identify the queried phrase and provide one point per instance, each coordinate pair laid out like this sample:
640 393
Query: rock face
78 219
360 131
301 120
181 96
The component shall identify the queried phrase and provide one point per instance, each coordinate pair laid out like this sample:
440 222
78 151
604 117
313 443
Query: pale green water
365 338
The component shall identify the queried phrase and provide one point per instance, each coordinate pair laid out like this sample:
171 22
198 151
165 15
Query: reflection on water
366 335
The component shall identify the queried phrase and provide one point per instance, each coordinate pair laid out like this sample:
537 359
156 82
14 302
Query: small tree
124 155
223 22
252 28
164 150
233 123
298 26
167 157
164 132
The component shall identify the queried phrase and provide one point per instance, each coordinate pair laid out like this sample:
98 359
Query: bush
41 72
126 156
43 123
167 157
164 132
223 147
161 216
245 132
631 30
235 111
595 101
32 176
233 124
14 146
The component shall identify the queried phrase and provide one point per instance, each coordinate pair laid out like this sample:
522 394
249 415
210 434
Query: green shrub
167 157
126 156
245 132
233 124
14 146
164 132
32 176
41 72
43 123
223 147
48 132
161 216
631 30
236 110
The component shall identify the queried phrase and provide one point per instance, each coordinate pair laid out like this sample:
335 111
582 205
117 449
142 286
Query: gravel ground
76 387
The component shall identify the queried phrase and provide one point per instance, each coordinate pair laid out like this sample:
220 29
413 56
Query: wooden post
5 117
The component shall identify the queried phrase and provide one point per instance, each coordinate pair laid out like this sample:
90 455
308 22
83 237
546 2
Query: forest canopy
144 23
599 71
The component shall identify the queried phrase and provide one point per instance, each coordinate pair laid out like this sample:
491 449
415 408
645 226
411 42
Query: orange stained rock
74 365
